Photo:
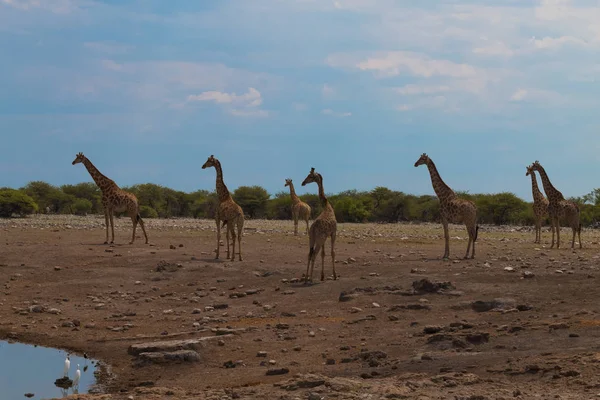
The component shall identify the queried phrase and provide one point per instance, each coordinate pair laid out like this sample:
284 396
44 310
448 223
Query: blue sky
358 89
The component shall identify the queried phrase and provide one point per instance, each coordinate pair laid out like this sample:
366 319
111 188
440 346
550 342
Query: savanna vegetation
378 205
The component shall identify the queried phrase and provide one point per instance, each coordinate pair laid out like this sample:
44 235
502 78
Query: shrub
148 212
16 202
82 207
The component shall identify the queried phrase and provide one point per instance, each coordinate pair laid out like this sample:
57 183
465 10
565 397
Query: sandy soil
520 321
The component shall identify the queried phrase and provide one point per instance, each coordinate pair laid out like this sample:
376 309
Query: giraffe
452 208
113 199
228 211
324 226
299 208
540 205
559 207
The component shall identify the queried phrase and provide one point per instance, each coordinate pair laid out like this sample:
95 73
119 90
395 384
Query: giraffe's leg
232 241
112 226
446 240
573 241
470 233
295 217
318 247
227 237
134 221
557 223
553 230
579 234
311 250
322 263
333 235
218 236
538 227
107 222
141 221
307 226
240 228
474 240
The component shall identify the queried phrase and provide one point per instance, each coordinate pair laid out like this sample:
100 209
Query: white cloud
327 91
299 106
241 105
538 95
328 111
495 49
108 47
392 63
413 89
54 6
426 102
553 43
111 65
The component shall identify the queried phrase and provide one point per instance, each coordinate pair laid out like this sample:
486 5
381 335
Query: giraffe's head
211 162
312 177
424 159
529 170
536 166
78 158
288 182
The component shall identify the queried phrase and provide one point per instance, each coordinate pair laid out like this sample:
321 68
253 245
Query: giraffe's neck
553 193
322 197
442 190
295 198
222 190
102 181
535 190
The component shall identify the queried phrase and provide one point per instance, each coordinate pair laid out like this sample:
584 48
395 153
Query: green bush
148 212
15 202
82 207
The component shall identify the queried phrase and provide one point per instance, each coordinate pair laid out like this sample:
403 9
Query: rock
430 329
426 286
170 345
160 357
36 308
345 296
278 371
488 305
261 354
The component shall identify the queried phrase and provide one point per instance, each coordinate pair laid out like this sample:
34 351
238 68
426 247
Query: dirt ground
520 321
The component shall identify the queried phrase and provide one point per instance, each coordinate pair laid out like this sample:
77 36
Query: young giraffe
452 208
540 205
299 208
323 227
228 211
558 208
113 199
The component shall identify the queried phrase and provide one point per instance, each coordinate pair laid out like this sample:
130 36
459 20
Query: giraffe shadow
213 260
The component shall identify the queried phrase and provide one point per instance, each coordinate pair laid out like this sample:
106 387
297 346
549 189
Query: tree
46 195
88 191
252 199
15 202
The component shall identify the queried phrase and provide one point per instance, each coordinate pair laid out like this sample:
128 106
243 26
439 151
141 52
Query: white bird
67 366
77 376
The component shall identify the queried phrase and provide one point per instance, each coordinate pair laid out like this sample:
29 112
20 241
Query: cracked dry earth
521 321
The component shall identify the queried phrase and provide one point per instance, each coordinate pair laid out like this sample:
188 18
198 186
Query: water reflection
26 369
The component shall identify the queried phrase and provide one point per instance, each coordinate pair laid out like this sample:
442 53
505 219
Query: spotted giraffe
323 227
559 207
300 210
114 199
228 211
452 208
540 205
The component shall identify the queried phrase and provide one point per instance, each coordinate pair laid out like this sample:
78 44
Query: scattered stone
278 371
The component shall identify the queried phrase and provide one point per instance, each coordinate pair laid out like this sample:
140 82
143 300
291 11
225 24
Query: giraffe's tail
476 230
579 228
138 218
